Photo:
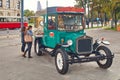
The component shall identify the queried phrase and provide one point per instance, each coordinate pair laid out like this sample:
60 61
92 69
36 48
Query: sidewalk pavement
15 67
10 40
112 36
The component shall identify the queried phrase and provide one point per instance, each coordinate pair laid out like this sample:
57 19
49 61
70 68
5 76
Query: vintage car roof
65 10
60 10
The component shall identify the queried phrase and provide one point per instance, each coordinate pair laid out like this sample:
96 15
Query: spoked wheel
106 62
61 61
37 47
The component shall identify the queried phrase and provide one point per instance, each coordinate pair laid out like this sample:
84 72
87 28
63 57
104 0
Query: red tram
11 22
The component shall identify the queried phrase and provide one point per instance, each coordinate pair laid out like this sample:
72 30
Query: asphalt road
15 67
4 32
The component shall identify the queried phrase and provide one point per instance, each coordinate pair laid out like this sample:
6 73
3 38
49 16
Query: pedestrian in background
23 31
28 40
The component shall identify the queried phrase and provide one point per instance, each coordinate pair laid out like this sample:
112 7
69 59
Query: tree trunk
92 17
115 19
112 19
105 23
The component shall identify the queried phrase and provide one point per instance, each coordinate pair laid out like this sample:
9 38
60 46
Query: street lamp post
46 5
22 13
88 13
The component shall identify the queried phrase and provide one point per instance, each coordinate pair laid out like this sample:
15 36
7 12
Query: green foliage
102 8
78 3
29 13
117 9
109 28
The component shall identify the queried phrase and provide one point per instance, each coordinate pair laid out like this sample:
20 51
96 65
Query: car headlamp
69 42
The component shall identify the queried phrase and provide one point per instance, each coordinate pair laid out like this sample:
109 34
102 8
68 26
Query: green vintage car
63 32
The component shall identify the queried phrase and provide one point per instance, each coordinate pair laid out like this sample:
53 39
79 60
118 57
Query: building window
7 3
18 5
1 14
8 14
18 14
0 3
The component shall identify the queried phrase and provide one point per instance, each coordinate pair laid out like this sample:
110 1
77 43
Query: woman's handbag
28 38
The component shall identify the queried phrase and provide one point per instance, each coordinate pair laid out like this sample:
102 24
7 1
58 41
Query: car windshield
70 22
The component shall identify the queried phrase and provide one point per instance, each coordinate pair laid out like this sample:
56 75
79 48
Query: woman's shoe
23 56
30 57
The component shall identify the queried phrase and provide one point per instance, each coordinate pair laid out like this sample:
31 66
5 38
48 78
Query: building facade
10 8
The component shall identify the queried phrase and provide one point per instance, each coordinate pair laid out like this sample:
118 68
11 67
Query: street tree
29 13
103 8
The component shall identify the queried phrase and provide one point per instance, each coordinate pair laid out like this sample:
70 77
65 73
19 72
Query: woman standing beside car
23 30
28 40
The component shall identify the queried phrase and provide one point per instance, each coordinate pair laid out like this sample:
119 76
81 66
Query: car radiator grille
84 44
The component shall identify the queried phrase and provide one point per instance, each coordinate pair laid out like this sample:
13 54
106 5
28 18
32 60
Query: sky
32 4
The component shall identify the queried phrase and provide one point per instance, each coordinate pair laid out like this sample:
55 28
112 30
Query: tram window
9 20
14 20
1 19
25 20
4 20
18 19
51 22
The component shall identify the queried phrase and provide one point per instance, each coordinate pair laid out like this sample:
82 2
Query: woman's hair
23 29
29 27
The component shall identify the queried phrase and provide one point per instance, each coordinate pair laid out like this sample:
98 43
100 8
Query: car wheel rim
59 61
104 60
37 47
